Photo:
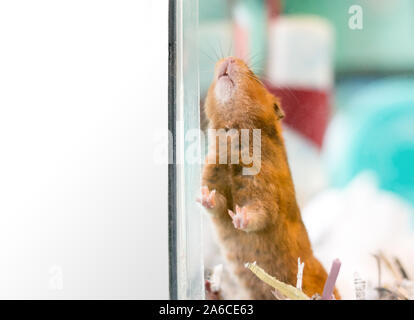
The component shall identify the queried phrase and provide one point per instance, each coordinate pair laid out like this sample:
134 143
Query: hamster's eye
279 112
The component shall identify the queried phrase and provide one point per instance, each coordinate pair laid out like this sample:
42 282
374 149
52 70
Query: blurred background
83 199
344 71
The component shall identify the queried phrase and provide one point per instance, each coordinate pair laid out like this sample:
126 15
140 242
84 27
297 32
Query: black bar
215 310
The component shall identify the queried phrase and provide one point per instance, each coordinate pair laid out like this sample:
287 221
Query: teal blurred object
375 132
386 42
346 88
212 10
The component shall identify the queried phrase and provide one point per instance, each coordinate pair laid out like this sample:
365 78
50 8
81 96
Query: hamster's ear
279 112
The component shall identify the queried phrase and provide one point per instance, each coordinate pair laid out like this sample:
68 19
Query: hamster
255 216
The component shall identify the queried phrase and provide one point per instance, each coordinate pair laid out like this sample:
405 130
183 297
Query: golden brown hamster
256 216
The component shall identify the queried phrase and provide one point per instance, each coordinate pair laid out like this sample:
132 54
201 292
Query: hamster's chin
224 89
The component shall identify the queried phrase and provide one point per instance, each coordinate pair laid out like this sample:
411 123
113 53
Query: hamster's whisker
221 50
208 56
254 77
230 48
252 56
256 61
288 90
213 49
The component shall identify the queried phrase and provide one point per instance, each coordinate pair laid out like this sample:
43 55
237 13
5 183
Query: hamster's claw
240 218
207 198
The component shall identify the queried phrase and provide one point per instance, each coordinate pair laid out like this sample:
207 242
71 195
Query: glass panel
189 229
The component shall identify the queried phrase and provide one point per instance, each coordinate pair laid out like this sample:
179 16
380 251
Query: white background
83 206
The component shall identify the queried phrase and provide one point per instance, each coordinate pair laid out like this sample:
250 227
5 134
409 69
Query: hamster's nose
226 67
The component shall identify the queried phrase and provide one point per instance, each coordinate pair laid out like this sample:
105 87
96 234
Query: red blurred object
241 41
306 110
274 8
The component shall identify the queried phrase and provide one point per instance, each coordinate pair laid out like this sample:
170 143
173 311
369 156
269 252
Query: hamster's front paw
240 218
207 198
211 294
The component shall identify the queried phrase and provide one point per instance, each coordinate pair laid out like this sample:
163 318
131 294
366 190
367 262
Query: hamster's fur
256 217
